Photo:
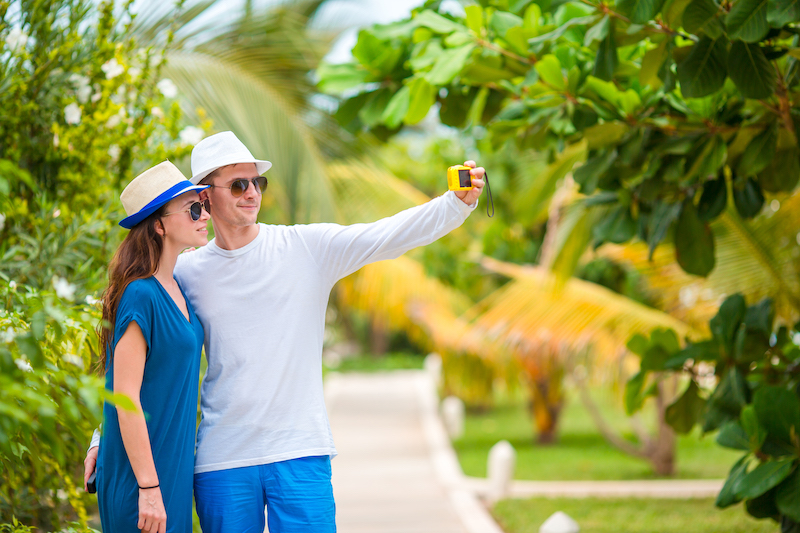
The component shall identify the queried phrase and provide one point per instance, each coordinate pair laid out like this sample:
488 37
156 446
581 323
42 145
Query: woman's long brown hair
136 258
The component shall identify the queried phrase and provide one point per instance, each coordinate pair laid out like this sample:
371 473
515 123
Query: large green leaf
588 174
640 11
700 13
731 435
660 222
727 496
338 78
618 226
748 198
747 20
634 399
759 152
437 23
549 69
683 414
783 172
763 477
397 108
778 411
422 97
449 64
704 70
713 199
750 70
782 12
787 496
694 242
377 56
606 60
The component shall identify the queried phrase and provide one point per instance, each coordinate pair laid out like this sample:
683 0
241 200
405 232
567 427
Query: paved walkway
395 472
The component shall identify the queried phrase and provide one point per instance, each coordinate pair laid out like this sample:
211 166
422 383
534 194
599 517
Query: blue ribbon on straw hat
151 189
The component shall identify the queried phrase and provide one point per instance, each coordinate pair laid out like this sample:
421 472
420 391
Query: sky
360 13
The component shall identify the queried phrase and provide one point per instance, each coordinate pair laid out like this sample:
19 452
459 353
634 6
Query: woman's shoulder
139 291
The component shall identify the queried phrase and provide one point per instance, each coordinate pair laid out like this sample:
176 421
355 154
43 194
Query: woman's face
179 228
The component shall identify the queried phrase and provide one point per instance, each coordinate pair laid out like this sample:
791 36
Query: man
261 292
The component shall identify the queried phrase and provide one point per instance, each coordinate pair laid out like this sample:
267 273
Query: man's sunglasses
195 210
238 187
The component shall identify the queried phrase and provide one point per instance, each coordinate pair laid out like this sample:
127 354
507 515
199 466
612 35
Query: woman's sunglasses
239 186
195 210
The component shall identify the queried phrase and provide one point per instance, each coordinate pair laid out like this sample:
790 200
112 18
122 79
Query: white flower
2 220
167 88
64 289
8 335
112 69
113 152
114 121
72 114
91 300
23 365
129 130
96 96
12 285
73 359
134 72
16 39
688 296
191 135
83 94
157 112
56 141
78 80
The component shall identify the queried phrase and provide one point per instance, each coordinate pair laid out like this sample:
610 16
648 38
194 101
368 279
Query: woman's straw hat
151 189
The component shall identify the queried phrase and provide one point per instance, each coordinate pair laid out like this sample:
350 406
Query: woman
150 344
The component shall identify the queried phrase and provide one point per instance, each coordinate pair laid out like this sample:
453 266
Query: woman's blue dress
169 401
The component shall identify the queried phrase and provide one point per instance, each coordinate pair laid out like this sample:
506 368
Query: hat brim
173 192
261 167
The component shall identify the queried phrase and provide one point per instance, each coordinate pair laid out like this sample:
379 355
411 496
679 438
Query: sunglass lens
195 210
238 187
261 183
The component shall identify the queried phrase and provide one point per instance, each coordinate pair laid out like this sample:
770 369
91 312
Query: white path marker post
559 522
453 416
502 460
433 367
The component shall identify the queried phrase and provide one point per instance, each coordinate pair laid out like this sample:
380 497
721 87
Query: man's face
227 209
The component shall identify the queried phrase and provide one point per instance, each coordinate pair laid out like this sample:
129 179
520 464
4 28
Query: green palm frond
365 193
260 117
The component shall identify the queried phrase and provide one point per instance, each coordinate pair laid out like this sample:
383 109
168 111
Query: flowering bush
83 107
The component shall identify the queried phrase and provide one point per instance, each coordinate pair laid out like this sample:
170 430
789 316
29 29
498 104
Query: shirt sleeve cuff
95 440
459 204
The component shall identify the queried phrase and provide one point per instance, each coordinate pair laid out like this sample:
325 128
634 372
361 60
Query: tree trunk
378 340
547 400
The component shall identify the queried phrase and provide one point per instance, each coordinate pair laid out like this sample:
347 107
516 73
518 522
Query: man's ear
203 195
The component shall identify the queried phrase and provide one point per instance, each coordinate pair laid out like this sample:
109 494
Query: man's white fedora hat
219 150
151 189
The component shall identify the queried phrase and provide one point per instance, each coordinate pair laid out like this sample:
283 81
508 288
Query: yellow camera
459 178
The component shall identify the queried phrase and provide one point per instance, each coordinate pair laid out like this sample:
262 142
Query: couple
256 295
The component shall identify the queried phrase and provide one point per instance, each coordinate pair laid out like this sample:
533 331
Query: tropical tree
678 102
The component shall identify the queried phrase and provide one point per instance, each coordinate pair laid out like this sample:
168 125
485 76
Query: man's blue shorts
297 493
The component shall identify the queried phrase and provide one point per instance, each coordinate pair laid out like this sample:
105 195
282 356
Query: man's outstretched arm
341 250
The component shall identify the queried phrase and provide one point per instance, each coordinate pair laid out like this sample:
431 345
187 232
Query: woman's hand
152 515
89 464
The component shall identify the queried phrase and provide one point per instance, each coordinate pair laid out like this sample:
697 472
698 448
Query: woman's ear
160 228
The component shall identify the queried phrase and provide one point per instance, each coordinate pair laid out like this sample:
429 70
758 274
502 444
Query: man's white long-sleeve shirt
263 310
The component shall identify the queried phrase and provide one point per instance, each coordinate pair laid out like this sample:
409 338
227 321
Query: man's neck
234 237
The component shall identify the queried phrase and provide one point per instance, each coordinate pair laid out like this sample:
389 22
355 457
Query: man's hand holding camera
471 196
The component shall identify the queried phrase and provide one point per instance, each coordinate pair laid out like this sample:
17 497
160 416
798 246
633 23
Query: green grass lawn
596 515
389 361
581 453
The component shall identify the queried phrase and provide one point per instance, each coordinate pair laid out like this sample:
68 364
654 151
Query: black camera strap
489 190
